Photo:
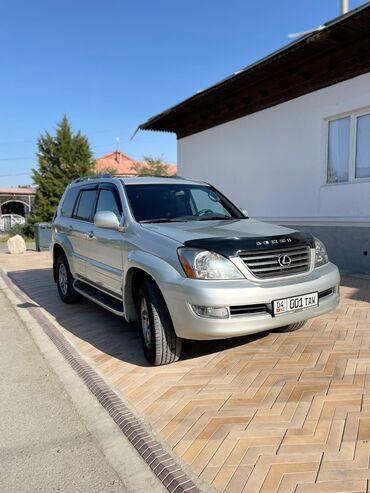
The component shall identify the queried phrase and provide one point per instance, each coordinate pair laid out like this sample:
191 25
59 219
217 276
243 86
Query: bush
25 230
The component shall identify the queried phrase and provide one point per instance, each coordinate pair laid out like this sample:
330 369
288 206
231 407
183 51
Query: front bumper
180 296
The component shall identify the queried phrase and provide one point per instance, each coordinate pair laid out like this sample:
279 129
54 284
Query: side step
103 299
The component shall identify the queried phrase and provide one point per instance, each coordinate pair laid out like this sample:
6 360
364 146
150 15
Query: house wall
273 162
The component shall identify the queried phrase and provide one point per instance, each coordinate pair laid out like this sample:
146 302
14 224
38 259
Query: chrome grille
265 263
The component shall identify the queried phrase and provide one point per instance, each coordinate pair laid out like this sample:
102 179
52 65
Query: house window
348 148
338 150
363 146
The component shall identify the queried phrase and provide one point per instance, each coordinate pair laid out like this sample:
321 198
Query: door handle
90 234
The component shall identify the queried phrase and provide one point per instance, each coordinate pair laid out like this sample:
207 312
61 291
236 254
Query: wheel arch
58 250
143 265
134 278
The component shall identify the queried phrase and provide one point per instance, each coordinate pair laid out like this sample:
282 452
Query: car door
80 228
106 264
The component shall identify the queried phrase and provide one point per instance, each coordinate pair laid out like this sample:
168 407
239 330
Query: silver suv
181 259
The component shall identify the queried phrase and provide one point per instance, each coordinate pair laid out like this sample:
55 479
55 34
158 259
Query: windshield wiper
217 218
163 220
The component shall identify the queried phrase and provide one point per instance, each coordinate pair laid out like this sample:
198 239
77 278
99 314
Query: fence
7 221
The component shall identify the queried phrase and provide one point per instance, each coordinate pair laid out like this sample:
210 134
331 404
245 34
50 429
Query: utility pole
344 6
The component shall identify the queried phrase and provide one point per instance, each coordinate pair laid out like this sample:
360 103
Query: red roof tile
122 164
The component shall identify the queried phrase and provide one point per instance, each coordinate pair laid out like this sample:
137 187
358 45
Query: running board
105 300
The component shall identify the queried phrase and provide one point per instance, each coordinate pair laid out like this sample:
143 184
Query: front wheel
291 327
160 342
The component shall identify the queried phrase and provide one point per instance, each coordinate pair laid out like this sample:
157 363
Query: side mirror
245 212
106 219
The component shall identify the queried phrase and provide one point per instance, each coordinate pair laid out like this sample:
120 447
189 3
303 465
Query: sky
109 65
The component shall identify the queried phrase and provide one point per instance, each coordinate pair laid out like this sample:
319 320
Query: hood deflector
233 246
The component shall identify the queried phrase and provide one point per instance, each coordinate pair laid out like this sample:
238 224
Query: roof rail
123 175
135 175
92 177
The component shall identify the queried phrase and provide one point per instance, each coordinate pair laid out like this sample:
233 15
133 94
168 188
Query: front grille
247 310
265 263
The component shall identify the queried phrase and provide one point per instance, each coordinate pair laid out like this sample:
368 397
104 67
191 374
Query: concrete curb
167 469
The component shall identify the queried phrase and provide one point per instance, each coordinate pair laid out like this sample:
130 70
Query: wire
15 174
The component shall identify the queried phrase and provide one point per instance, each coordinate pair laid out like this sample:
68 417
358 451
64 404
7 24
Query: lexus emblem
284 260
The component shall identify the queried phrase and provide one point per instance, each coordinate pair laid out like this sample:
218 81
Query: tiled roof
122 164
18 191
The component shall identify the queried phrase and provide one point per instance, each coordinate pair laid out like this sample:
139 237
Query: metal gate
7 221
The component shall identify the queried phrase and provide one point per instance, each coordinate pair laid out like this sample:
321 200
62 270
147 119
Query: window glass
107 202
363 147
182 202
338 150
69 202
85 205
203 199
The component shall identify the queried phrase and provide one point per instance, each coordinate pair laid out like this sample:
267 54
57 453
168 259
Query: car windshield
179 202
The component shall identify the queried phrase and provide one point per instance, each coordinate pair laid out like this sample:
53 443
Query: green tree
151 166
61 159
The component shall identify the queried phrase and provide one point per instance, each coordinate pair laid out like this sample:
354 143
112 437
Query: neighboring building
117 162
288 137
15 205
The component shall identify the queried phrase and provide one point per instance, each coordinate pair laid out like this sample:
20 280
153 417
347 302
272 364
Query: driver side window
108 202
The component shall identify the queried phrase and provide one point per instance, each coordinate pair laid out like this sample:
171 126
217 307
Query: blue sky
110 65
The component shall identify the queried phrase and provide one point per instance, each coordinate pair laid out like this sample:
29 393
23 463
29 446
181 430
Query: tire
160 342
291 327
64 281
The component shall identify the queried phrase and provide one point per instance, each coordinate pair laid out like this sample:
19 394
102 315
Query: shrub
25 230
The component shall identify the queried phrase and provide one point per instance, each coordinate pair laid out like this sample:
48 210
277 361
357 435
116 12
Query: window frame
112 188
353 115
76 199
75 209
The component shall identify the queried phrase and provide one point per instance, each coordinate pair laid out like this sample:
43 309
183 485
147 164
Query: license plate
295 303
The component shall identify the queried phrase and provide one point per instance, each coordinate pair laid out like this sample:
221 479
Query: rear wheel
291 327
160 342
65 280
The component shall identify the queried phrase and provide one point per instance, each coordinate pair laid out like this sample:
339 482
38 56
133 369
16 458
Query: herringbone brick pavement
266 413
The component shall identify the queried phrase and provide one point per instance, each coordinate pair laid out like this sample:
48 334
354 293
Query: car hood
196 230
230 238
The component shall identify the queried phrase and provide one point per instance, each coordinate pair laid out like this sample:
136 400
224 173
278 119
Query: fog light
211 311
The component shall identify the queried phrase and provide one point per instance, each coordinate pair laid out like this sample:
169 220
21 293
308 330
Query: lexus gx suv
183 261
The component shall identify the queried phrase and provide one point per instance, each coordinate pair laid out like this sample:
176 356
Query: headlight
321 256
200 264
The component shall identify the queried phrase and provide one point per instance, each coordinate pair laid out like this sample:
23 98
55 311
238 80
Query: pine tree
61 158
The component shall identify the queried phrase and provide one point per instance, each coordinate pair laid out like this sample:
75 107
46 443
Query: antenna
118 154
344 7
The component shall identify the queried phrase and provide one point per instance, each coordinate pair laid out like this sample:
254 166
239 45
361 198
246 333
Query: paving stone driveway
265 413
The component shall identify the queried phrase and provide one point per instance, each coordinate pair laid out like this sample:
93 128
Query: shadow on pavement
100 328
359 286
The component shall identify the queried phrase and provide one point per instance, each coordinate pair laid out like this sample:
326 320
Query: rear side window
108 202
85 205
69 202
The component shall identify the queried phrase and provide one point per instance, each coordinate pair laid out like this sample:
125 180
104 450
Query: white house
288 138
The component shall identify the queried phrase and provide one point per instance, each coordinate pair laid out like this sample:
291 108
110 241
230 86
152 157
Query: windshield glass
179 202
